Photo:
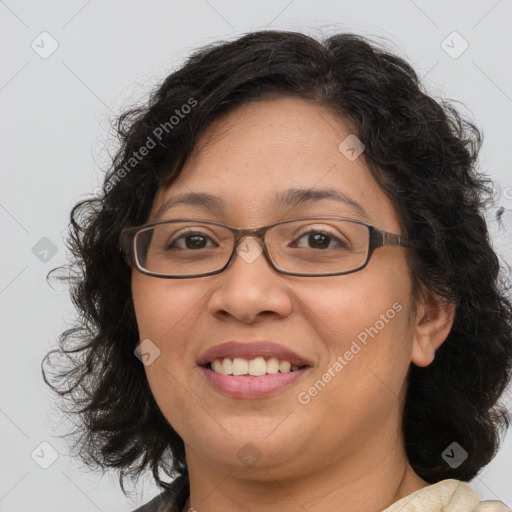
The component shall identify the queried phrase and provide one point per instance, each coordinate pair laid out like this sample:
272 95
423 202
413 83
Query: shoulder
172 499
157 503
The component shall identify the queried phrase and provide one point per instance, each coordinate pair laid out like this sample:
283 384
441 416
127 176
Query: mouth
251 370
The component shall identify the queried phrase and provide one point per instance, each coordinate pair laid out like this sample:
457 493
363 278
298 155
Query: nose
250 287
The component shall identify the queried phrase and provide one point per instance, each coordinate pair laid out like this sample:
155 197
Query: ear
433 322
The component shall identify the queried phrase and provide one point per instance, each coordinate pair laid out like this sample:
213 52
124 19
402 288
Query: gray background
54 129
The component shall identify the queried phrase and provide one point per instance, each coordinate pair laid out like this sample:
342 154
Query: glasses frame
377 238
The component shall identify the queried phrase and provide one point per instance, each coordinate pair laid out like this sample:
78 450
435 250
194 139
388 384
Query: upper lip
251 350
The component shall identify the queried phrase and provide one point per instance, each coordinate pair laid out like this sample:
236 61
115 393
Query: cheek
365 320
165 317
364 325
162 306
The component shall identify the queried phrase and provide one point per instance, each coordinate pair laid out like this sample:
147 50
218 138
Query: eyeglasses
307 246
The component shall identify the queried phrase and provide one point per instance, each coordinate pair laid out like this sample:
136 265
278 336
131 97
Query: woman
288 297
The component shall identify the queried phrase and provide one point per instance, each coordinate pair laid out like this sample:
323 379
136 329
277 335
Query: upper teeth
254 367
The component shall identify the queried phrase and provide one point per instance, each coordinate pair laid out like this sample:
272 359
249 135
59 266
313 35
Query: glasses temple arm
383 238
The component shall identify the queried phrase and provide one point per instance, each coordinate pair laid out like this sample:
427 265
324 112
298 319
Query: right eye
190 239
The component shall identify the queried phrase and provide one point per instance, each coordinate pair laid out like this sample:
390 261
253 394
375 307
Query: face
353 331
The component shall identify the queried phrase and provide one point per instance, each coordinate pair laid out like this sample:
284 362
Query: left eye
318 239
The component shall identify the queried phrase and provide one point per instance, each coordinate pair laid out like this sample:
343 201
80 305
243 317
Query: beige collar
446 496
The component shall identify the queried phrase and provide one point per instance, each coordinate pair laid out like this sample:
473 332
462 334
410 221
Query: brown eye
191 240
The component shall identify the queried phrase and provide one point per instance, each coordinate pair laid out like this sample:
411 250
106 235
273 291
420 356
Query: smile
253 369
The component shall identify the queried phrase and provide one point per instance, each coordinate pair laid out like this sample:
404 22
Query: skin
345 447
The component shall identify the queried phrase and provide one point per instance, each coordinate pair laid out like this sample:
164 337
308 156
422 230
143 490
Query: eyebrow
292 197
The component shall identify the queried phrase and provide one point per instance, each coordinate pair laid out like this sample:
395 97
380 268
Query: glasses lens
183 248
318 246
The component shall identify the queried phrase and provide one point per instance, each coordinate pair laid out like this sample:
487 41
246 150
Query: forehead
255 158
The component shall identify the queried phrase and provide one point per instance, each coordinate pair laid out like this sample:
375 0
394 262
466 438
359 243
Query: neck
358 484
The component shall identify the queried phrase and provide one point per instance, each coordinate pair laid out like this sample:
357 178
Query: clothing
173 499
444 496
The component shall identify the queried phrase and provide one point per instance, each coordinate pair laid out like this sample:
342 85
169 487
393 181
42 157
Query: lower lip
251 387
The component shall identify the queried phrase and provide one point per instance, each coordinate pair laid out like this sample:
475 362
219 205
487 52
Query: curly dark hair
422 153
